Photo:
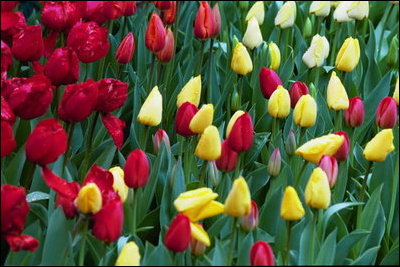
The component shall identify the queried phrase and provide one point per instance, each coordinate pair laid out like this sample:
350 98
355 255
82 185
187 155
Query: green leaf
346 243
326 255
336 208
220 254
36 196
392 257
368 258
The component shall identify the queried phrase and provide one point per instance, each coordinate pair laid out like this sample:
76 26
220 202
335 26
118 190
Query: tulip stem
363 189
146 130
198 70
384 19
364 29
288 236
300 172
338 121
27 181
90 143
153 61
83 243
203 172
233 241
210 73
335 41
70 131
237 169
134 213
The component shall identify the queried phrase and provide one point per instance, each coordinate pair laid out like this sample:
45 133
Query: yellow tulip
209 146
380 146
191 92
252 37
89 199
241 62
336 94
396 91
358 10
314 149
317 52
212 208
274 55
305 111
291 207
340 14
318 192
238 202
129 255
320 8
257 11
198 233
348 55
279 103
119 183
151 111
202 119
286 15
232 121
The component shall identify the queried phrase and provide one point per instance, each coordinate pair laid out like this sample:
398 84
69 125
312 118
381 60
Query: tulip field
199 133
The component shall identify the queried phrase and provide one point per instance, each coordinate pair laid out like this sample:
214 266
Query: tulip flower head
344 149
119 185
28 44
177 237
358 10
379 147
129 255
241 62
155 34
252 38
7 115
241 136
354 115
89 199
60 15
337 98
159 137
290 143
168 16
318 51
349 55
166 54
318 193
151 111
286 15
261 254
279 103
330 166
62 66
256 11
396 92
274 56
197 247
183 118
217 20
238 202
340 14
204 25
112 94
202 119
227 161
209 146
250 222
269 81
125 49
291 207
386 113
137 169
320 8
191 92
8 143
115 127
6 58
297 90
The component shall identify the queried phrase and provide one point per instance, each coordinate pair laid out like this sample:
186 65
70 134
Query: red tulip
89 40
102 11
178 235
63 66
261 254
354 115
103 179
125 49
162 5
241 137
217 20
28 97
269 81
166 54
28 44
204 25
7 114
250 222
49 43
8 5
330 166
128 8
8 143
136 169
6 58
22 242
60 15
160 137
11 24
183 117
155 34
386 113
168 16
297 90
78 101
112 94
115 127
46 142
344 150
227 161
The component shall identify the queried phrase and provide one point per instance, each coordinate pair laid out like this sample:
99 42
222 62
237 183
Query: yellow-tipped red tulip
89 199
274 56
232 121
151 111
279 103
291 207
305 111
119 182
380 146
252 38
336 94
241 62
286 15
191 92
320 8
256 11
129 255
202 119
318 192
348 55
238 202
209 146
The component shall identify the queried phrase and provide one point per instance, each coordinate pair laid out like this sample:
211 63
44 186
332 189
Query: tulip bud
290 143
393 56
274 163
235 100
151 111
396 92
354 115
7 115
279 103
8 143
318 51
340 14
28 44
256 11
108 222
228 159
320 8
115 127
307 28
291 207
162 5
330 166
238 202
250 222
252 38
89 41
241 137
6 58
286 15
191 92
386 113
168 16
155 33
89 199
204 23
136 169
119 185
336 94
128 8
348 56
217 20
129 255
274 56
241 62
183 118
112 94
62 66
318 193
269 81
261 254
177 237
380 146
125 49
59 15
305 112
358 10
209 146
161 136
202 119
297 90
197 247
166 54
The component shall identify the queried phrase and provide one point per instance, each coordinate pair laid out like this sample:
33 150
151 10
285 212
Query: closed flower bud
108 222
307 28
386 113
317 192
279 103
112 94
241 137
8 143
274 163
238 202
183 118
256 11
344 149
28 44
227 161
305 112
241 62
380 146
250 222
297 90
119 182
261 254
330 166
209 146
393 56
89 199
337 98
129 255
354 115
191 92
166 54
252 38
7 115
202 119
286 15
269 81
204 24
160 136
115 127
59 15
396 92
291 207
137 169
178 235
125 49
274 56
340 14
62 66
320 8
358 10
151 111
318 51
217 20
235 100
168 16
155 34
348 56
290 143
314 149
197 245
